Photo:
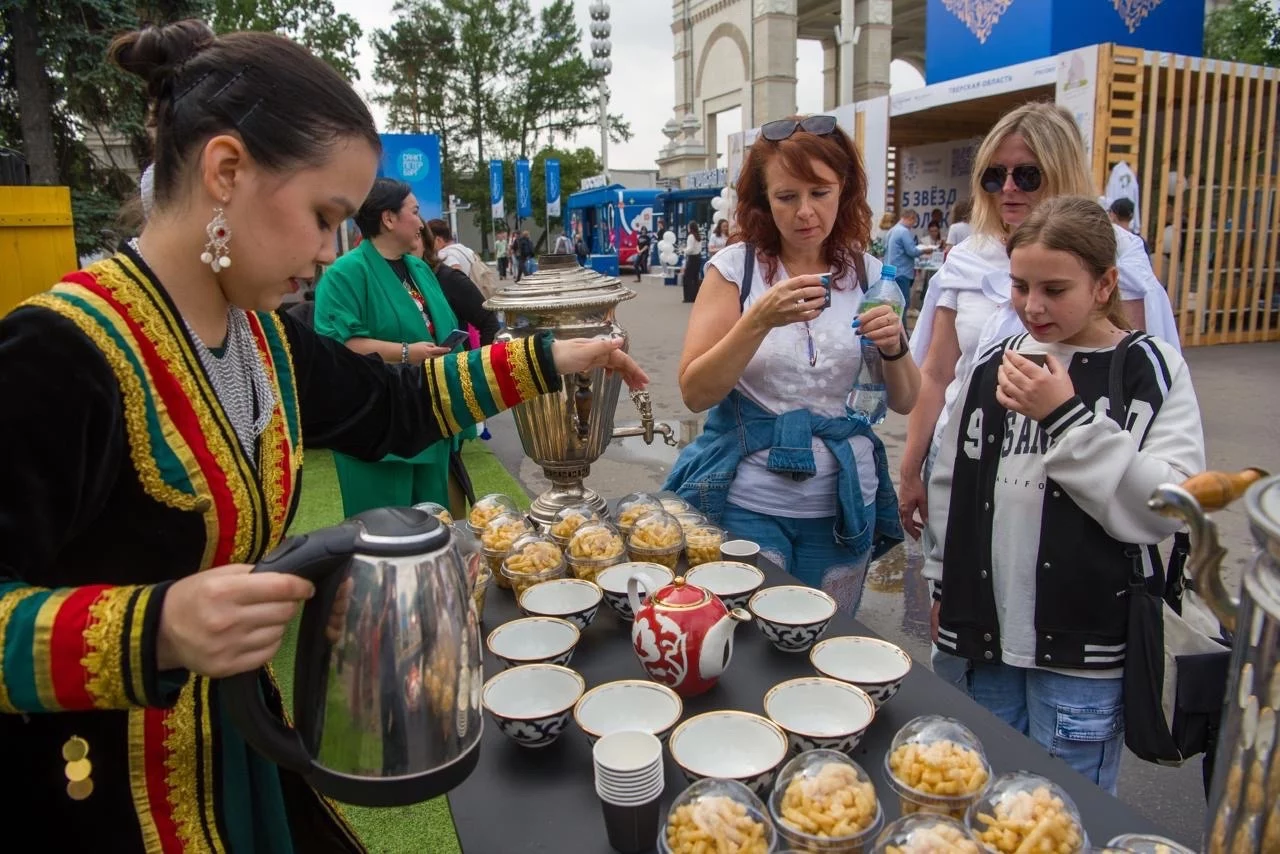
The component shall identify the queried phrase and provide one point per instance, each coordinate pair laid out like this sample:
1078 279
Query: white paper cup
628 767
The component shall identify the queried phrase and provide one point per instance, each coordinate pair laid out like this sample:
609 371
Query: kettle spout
717 645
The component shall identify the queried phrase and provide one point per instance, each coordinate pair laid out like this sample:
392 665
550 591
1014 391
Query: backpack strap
748 275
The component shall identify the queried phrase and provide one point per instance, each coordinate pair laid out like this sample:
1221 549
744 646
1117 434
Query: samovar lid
560 284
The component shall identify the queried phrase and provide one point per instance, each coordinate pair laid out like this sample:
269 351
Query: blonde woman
1032 154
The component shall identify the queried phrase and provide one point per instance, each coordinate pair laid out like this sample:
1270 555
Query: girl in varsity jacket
1039 492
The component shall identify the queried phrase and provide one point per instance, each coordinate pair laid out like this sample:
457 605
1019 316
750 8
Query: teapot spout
717 645
1188 502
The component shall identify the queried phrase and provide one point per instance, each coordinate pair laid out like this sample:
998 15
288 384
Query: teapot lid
399 532
680 594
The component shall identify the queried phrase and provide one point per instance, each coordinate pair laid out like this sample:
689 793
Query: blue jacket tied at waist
737 427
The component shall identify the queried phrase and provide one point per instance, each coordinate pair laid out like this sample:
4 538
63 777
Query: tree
1245 31
316 24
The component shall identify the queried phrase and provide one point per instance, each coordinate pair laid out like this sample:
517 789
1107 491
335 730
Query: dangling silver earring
216 254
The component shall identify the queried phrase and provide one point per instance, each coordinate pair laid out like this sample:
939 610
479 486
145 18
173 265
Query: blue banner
415 159
552 169
496 208
524 189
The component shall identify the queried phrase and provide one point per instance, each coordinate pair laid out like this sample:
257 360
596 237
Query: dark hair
693 229
288 106
1077 225
1122 208
429 248
960 213
851 231
440 228
387 194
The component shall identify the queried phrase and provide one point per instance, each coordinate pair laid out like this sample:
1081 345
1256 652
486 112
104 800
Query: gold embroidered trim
180 768
8 603
207 747
137 667
138 781
42 648
518 356
103 641
271 475
169 344
468 390
293 376
135 407
443 400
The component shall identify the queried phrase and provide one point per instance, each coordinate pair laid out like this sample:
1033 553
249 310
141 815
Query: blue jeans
905 282
806 549
1079 720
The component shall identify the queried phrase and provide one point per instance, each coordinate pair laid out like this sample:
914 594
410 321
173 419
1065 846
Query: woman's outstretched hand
578 355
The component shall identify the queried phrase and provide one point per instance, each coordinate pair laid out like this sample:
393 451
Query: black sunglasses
781 129
1026 178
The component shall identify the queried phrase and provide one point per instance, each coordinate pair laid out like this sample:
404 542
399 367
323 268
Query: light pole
601 48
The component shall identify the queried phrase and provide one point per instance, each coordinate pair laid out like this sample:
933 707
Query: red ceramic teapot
683 634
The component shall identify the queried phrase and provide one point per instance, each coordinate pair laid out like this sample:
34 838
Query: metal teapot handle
1189 501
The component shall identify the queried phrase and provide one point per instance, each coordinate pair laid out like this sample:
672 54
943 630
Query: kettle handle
313 556
1189 501
635 584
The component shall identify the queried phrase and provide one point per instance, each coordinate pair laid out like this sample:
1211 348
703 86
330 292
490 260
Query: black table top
544 800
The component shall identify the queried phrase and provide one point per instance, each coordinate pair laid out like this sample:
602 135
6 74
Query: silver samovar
568 431
1244 803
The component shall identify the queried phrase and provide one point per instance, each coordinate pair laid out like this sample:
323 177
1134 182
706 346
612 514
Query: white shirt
780 379
958 233
456 255
1123 184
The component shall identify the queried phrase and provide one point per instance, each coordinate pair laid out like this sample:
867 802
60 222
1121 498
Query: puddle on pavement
895 601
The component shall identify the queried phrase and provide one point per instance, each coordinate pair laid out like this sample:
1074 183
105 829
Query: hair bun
155 53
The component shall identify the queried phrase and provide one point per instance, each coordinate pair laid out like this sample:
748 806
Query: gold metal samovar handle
1207 491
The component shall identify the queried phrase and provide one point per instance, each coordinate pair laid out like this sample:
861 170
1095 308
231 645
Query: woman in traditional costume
156 410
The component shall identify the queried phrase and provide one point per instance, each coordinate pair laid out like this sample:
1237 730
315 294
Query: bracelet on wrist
903 349
404 353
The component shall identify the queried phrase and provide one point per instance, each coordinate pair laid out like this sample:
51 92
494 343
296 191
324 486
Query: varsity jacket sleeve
1109 472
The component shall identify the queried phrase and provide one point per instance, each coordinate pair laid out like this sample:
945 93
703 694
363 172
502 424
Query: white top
716 242
692 245
1101 467
779 379
456 255
958 233
1123 184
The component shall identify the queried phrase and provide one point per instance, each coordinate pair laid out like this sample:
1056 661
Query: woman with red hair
773 347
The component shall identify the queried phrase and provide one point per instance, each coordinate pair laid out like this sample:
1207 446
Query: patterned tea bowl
534 640
531 703
876 666
730 745
792 617
819 713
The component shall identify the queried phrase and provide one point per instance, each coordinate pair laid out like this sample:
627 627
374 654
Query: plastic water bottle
870 398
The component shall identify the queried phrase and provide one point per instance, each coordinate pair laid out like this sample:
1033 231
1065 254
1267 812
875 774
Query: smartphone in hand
456 337
1040 359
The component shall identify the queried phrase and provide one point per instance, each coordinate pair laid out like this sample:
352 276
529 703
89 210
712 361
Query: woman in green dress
380 299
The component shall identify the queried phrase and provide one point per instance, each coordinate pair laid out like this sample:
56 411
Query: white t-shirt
957 233
780 379
456 255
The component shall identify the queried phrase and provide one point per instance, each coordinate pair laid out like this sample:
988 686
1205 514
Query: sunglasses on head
781 129
1026 178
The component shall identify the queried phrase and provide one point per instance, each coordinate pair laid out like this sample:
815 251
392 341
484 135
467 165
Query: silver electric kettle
387 676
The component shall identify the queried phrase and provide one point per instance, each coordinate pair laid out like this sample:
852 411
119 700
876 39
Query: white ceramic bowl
876 666
819 713
531 703
629 704
792 617
732 581
534 640
730 745
613 581
567 598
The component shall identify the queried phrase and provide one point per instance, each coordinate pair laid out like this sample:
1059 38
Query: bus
608 218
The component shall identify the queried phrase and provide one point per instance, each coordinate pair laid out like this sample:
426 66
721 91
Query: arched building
742 53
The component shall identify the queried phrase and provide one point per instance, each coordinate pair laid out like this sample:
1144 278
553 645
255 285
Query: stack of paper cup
629 781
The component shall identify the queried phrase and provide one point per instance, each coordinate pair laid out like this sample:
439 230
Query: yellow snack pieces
831 804
941 768
1034 821
715 825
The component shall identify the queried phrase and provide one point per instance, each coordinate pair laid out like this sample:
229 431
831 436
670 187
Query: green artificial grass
426 827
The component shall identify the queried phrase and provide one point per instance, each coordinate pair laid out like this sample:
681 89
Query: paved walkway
1237 387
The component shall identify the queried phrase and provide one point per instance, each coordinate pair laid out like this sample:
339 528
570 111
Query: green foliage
1245 31
315 23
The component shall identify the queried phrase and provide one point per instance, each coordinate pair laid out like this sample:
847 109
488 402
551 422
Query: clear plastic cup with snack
532 559
926 833
631 507
1027 812
488 508
569 519
673 503
593 548
935 764
438 510
717 817
823 801
497 538
656 538
702 543
690 519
